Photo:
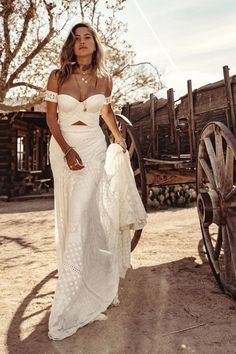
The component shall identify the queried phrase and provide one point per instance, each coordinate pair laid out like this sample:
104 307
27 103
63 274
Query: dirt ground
169 300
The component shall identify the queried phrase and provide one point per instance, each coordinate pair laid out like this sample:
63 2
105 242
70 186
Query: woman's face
84 43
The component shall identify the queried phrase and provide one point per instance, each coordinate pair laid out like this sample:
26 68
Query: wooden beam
229 96
170 177
171 114
191 127
154 126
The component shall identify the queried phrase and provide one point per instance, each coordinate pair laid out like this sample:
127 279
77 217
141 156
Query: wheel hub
211 208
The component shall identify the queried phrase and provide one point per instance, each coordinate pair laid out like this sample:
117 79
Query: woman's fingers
123 145
78 160
74 161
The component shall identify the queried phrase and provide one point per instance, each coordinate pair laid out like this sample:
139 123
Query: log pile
179 195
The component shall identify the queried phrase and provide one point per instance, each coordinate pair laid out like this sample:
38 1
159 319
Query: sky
184 39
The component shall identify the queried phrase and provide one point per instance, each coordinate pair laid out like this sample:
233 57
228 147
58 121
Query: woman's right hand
74 161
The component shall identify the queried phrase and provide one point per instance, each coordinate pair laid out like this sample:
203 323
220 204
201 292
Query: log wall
5 156
179 126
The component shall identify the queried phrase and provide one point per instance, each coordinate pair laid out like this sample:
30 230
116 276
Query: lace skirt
86 233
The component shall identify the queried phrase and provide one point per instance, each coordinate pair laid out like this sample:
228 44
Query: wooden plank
170 177
229 97
168 162
191 116
213 161
171 114
190 133
153 124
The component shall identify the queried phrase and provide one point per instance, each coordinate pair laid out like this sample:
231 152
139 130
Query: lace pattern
108 100
95 208
51 96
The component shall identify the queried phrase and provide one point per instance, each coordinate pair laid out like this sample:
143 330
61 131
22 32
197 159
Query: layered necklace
83 83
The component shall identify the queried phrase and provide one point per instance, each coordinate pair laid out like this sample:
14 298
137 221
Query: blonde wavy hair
68 58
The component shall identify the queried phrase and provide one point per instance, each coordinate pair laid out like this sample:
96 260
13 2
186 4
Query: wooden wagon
192 139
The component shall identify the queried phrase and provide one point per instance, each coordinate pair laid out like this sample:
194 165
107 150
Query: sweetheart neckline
97 94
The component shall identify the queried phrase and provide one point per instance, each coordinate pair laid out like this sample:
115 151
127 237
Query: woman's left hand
122 143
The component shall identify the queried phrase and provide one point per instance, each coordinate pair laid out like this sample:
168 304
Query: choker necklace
84 68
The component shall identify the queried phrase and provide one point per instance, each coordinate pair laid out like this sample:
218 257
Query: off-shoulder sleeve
107 100
51 96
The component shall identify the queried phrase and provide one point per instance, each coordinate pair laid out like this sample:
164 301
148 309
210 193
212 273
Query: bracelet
120 140
68 150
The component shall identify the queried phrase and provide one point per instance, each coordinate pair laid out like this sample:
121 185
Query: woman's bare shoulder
54 74
53 80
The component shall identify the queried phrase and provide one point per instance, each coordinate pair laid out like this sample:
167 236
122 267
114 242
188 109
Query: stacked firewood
179 195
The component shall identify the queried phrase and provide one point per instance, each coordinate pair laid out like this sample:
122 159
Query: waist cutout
90 119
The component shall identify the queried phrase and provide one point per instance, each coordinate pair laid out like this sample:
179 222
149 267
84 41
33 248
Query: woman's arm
109 117
72 157
52 114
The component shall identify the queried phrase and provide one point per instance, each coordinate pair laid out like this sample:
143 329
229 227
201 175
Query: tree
33 32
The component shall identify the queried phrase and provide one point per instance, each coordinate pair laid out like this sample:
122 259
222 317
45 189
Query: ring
78 163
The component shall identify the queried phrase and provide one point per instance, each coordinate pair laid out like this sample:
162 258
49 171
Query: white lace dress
94 211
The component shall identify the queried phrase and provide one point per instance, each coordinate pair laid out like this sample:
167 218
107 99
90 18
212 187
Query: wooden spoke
231 194
232 202
131 149
220 155
124 131
136 172
218 243
213 160
208 172
227 257
210 250
229 171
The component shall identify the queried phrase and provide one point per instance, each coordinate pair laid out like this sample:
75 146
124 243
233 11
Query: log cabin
24 153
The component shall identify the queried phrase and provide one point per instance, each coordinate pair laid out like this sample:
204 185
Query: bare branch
39 47
28 16
8 10
27 84
93 10
118 72
9 108
81 9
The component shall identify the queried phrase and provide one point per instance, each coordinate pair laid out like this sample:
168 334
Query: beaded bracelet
67 151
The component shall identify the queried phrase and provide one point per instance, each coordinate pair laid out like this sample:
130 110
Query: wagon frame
192 139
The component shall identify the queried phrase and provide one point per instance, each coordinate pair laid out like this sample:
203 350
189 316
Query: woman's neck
84 67
84 63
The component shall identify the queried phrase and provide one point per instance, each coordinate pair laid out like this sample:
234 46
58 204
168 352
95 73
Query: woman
91 253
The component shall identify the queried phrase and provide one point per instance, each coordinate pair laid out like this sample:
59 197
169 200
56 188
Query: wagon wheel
137 164
135 154
216 201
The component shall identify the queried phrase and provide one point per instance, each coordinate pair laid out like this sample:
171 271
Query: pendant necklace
85 80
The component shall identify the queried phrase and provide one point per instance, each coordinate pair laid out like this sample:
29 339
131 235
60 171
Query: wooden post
126 113
229 96
154 128
191 128
171 114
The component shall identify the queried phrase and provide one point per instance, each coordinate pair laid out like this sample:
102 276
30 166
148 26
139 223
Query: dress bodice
71 110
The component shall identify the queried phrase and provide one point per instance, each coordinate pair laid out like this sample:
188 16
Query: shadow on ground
26 206
155 302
